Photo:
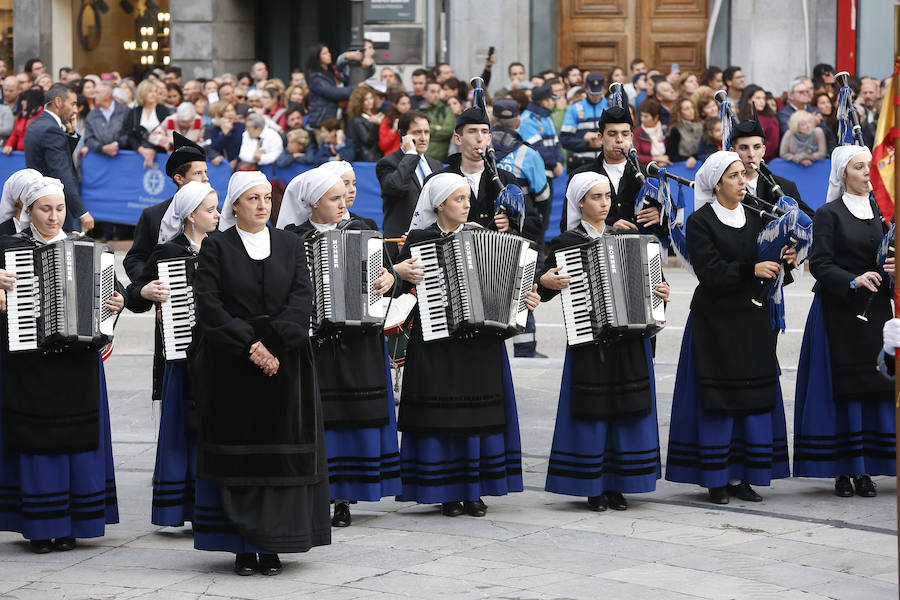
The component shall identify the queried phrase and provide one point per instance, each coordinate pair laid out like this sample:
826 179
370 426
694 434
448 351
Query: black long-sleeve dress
606 436
844 417
727 414
261 438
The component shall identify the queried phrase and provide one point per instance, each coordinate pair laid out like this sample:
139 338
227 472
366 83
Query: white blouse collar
42 240
258 245
323 226
858 206
458 229
735 218
592 231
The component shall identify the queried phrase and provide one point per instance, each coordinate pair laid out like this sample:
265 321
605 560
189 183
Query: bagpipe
785 228
510 200
849 133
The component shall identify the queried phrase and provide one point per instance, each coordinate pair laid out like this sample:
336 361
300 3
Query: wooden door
599 34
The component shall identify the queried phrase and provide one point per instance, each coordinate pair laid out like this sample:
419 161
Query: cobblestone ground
801 542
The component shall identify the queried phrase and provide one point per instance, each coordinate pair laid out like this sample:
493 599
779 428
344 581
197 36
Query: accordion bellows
475 282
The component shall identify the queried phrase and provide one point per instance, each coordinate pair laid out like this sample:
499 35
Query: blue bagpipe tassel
726 118
844 106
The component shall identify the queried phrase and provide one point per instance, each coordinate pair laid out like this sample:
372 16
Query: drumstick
394 240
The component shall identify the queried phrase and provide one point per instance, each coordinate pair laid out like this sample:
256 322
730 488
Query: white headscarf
13 189
186 201
579 185
437 189
840 158
45 186
302 192
709 174
239 183
338 167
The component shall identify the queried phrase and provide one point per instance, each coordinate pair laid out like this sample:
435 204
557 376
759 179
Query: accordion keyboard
178 311
22 308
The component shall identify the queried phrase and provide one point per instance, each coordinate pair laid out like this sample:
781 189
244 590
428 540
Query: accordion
345 264
611 288
475 281
178 310
60 295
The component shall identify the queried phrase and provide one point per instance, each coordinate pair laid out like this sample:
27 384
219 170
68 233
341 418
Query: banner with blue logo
117 189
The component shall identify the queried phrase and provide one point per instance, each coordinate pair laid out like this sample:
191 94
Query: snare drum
397 325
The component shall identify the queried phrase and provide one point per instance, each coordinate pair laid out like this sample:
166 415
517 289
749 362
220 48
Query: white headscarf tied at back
709 174
239 183
186 201
338 167
13 189
579 185
840 158
437 189
302 192
44 186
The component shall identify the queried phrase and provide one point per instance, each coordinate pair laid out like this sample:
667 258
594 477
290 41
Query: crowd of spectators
349 109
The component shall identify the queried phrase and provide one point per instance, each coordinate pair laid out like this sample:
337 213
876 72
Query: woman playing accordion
728 428
56 466
606 439
458 412
844 419
192 214
351 362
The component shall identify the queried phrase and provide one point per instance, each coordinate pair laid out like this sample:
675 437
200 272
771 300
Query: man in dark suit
749 141
615 129
48 149
186 163
401 174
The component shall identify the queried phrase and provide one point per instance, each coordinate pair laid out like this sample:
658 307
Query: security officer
525 163
579 131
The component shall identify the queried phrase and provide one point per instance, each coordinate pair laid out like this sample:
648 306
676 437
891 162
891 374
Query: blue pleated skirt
449 468
590 457
843 438
364 463
60 495
709 449
176 455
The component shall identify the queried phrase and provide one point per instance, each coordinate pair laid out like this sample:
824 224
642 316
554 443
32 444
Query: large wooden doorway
598 34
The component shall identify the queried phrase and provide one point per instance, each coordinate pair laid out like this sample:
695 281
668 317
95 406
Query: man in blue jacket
579 131
48 149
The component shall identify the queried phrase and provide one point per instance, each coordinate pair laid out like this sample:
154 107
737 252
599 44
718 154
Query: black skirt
610 380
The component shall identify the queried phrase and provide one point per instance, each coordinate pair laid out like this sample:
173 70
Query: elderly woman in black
262 481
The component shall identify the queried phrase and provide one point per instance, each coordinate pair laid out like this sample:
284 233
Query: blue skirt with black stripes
439 468
710 449
837 438
590 457
44 496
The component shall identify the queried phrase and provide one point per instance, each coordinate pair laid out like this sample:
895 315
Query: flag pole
895 90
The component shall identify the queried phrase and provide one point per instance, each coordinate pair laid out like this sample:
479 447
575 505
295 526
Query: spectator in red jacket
650 136
272 107
388 135
755 97
32 106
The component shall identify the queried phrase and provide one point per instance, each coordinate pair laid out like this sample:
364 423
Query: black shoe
615 500
718 495
531 354
744 492
842 487
269 564
64 543
40 546
597 503
245 564
864 486
476 509
341 516
452 509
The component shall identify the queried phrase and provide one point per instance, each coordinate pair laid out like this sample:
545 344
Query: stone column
32 32
211 37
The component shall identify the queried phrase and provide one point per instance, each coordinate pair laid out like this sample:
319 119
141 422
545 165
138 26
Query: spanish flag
882 173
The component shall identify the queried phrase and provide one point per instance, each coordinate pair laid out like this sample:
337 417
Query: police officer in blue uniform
579 129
